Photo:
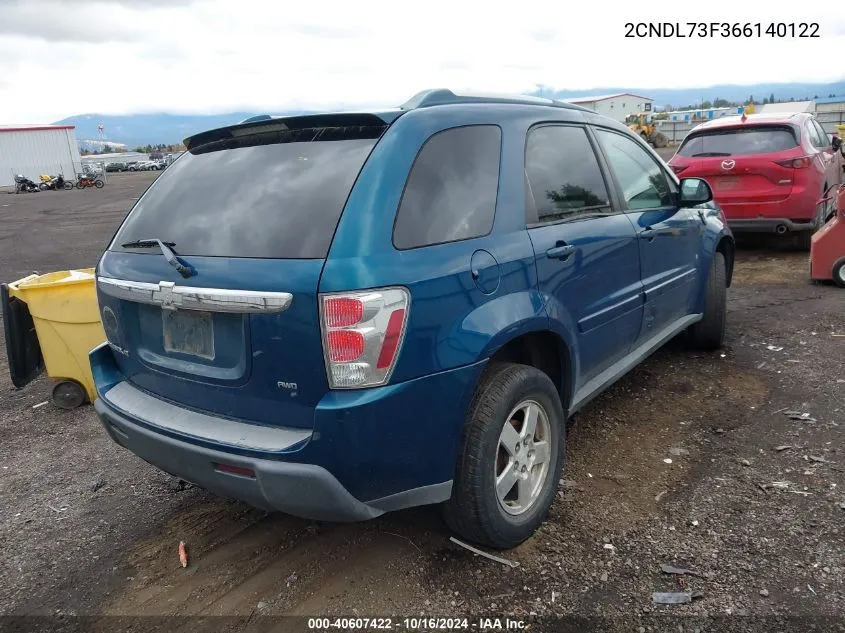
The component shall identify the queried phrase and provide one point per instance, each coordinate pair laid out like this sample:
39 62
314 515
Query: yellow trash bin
51 322
841 129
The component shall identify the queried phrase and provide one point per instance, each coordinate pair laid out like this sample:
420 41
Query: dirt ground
692 460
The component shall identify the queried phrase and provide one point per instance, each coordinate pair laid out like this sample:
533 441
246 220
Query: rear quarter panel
451 322
453 326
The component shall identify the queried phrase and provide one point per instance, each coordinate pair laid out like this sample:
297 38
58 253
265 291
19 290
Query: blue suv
341 315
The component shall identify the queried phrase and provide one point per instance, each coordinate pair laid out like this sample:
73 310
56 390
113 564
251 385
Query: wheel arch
727 248
545 350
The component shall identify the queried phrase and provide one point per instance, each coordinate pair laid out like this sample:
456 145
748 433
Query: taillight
678 168
795 163
362 335
343 311
345 345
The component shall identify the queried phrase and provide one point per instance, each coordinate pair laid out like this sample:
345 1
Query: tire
829 209
68 394
99 184
709 333
475 510
838 273
68 186
78 184
805 240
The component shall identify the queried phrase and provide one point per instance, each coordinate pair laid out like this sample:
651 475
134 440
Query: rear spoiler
259 124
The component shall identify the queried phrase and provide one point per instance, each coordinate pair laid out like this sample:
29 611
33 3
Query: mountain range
143 129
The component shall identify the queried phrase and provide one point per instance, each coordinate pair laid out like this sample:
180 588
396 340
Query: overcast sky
60 58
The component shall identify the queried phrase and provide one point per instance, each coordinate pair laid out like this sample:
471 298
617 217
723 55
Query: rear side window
451 190
563 173
825 139
262 196
738 142
818 137
813 134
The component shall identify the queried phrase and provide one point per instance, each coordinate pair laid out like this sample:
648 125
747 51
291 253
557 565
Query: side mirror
695 191
836 142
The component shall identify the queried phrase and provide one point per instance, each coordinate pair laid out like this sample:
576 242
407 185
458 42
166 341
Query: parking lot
693 460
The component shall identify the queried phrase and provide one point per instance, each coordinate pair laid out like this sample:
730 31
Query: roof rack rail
444 96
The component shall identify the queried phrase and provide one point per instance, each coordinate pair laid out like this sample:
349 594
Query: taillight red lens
795 163
345 345
678 168
362 335
391 339
343 312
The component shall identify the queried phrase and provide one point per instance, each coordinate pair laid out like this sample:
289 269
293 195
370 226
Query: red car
767 171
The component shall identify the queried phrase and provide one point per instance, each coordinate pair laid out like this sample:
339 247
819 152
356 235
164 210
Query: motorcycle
54 183
87 180
24 185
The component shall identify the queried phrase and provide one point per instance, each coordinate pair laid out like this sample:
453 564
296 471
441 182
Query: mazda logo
728 164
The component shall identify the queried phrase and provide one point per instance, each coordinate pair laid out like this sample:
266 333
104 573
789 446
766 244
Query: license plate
188 332
727 183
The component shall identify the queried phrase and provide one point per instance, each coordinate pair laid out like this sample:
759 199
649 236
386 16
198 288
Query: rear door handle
650 233
561 251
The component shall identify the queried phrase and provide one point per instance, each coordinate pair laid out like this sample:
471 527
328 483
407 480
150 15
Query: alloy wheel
523 457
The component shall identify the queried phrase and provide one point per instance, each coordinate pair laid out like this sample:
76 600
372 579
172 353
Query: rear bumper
303 490
768 225
370 451
796 212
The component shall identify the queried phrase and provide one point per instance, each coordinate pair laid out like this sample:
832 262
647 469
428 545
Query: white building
785 107
32 150
702 114
617 106
831 104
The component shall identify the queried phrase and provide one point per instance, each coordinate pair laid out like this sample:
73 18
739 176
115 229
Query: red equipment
827 250
89 181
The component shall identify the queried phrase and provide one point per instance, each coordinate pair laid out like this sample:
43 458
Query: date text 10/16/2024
722 29
422 623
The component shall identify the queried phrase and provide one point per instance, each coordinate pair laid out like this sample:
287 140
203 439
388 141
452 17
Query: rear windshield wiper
710 154
166 250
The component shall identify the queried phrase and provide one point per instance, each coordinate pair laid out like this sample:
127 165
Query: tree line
725 103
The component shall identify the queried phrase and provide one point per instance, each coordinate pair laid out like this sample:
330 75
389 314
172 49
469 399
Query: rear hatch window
268 195
745 141
253 216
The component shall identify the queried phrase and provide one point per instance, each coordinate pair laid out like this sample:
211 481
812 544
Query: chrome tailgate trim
169 296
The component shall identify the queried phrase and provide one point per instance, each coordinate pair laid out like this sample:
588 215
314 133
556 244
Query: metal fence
829 120
675 131
95 168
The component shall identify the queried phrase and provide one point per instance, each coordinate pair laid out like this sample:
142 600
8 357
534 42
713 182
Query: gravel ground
753 500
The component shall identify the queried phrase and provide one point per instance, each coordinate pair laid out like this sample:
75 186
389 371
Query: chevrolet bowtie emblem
168 299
